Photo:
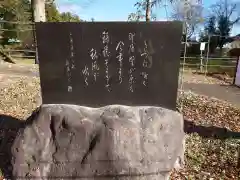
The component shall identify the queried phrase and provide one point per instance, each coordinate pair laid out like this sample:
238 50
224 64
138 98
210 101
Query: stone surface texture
111 142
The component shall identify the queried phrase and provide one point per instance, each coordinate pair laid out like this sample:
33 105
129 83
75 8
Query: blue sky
114 10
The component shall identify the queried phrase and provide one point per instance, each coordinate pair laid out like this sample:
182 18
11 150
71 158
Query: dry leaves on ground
20 98
190 77
205 158
208 111
210 157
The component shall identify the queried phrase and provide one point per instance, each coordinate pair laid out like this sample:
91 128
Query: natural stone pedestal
111 142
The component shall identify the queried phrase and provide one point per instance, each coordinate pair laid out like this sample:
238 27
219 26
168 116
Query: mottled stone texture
111 142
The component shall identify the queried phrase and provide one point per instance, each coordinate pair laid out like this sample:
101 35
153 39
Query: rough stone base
111 142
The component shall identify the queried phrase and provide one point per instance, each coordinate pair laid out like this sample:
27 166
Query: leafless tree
147 5
228 9
189 11
227 13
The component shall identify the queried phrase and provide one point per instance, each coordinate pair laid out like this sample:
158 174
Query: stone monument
109 103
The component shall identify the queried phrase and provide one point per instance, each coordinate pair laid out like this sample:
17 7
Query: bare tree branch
233 8
190 12
228 9
235 21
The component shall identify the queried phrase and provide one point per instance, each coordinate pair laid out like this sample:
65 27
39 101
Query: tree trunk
38 8
39 15
6 57
148 10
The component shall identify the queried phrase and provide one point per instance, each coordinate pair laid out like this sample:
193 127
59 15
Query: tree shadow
220 76
233 86
209 132
9 127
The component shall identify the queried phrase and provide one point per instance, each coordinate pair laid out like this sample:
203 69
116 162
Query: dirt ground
211 87
10 73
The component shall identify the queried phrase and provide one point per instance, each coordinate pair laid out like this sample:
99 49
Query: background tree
16 24
210 27
147 5
17 14
155 3
141 14
52 13
190 12
137 16
145 10
224 29
210 34
69 17
12 11
227 14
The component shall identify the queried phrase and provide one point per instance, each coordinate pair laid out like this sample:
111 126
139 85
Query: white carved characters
70 64
95 66
131 60
106 55
119 48
147 62
86 74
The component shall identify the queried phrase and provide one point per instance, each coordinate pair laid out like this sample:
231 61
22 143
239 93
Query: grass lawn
221 66
24 61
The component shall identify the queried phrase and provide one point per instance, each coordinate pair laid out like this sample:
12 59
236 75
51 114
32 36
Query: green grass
218 66
24 61
221 66
21 58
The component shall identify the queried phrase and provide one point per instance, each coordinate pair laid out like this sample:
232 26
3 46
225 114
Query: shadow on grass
9 129
220 76
233 86
10 126
209 132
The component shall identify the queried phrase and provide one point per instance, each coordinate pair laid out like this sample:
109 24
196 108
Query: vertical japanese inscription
119 49
70 64
86 74
95 66
113 57
106 55
94 70
131 61
147 63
